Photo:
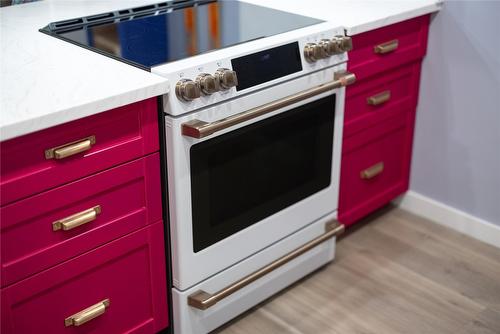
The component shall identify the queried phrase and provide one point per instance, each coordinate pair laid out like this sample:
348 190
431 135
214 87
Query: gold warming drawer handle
200 129
372 171
203 300
380 98
88 314
386 47
69 149
77 219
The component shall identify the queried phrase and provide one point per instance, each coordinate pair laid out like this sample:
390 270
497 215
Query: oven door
251 181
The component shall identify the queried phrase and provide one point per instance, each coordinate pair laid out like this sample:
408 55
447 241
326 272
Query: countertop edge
372 25
27 126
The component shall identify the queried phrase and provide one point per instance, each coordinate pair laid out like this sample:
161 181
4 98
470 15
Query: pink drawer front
371 101
121 135
374 168
128 272
128 197
367 57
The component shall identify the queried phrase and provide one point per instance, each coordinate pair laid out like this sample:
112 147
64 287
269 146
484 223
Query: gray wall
456 157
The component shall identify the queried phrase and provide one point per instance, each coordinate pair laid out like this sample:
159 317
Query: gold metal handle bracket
88 314
372 171
77 219
386 47
203 300
379 98
69 149
200 129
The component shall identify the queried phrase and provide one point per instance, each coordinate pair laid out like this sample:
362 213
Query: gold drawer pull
67 150
203 300
372 171
77 219
379 98
88 314
386 47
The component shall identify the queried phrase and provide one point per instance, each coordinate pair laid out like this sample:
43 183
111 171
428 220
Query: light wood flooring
394 273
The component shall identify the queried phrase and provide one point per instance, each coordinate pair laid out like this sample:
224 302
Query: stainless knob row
206 84
327 47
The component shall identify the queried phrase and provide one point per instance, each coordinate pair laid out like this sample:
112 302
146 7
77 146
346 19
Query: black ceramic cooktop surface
170 31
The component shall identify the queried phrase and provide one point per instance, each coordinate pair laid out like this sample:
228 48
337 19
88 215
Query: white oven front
267 165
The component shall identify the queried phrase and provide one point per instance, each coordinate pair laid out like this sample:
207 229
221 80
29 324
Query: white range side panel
190 268
191 67
188 320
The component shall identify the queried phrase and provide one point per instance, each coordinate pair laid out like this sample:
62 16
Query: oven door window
244 176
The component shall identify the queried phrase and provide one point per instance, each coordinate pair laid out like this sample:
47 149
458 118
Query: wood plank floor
394 273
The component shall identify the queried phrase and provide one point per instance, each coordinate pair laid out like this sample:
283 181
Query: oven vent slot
99 17
119 15
100 23
66 23
143 8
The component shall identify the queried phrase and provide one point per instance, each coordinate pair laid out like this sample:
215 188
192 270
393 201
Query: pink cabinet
372 102
42 160
375 168
37 234
389 47
82 237
380 116
127 274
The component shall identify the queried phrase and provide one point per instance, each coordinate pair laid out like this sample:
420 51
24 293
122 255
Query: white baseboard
450 217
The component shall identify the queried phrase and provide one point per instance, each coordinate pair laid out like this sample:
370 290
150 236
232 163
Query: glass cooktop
157 34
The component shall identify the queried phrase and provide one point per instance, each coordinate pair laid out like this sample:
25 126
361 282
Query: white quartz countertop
45 81
356 16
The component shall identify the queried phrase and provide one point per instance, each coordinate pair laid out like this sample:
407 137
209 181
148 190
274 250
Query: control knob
208 83
187 90
314 52
227 78
346 43
342 44
329 46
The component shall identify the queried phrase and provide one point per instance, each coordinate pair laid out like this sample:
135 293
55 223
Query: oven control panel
218 76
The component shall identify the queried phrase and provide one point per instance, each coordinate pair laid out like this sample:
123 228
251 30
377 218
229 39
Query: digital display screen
260 67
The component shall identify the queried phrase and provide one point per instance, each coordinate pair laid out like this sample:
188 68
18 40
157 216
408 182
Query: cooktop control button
336 45
187 90
329 47
312 52
208 83
346 43
343 43
309 52
227 78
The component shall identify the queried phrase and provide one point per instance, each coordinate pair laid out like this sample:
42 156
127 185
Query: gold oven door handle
379 98
87 314
372 171
386 47
203 300
77 219
200 129
69 149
